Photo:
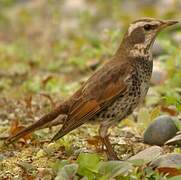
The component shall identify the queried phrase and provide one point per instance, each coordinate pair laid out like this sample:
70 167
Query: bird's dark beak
167 23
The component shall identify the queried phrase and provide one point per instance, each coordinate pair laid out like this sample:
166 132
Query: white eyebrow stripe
134 26
137 24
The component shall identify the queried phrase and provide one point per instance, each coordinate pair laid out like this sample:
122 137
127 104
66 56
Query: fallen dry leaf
16 127
169 170
169 110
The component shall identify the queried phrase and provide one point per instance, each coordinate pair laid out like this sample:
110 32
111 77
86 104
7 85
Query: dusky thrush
114 90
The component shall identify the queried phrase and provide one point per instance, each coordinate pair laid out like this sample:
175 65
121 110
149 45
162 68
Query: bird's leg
103 132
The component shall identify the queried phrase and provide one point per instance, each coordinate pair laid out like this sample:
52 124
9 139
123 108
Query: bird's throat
139 50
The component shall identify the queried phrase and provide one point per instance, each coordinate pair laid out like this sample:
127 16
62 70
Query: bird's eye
147 27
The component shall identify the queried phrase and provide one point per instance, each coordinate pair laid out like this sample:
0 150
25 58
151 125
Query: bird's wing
97 93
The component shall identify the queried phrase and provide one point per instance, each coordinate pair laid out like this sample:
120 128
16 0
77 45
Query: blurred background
45 43
48 48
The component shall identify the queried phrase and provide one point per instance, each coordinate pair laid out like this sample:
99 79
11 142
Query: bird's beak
167 23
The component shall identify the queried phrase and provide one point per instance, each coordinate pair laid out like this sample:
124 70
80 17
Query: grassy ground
47 49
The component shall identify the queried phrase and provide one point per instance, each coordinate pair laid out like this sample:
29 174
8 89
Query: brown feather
62 109
88 103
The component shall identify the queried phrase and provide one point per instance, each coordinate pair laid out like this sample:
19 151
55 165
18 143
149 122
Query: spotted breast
138 86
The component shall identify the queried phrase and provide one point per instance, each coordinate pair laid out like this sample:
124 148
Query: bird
113 91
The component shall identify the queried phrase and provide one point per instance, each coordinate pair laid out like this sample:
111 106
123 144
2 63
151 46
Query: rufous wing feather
85 111
78 117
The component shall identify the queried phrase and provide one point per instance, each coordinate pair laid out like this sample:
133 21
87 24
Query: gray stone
148 154
168 160
160 130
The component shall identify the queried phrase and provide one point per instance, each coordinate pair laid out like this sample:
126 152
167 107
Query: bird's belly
124 105
143 91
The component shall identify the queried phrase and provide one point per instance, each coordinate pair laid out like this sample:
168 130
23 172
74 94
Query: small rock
148 154
160 130
168 160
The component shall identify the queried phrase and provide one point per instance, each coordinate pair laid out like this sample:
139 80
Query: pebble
168 160
148 154
160 130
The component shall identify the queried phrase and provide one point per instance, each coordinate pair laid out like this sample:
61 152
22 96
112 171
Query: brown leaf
28 101
27 176
169 110
16 127
171 171
96 141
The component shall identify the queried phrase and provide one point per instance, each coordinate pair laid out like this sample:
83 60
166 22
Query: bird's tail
42 122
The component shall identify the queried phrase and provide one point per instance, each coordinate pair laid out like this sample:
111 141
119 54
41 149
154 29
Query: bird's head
141 34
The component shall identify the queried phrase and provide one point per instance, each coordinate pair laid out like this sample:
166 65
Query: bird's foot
111 154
